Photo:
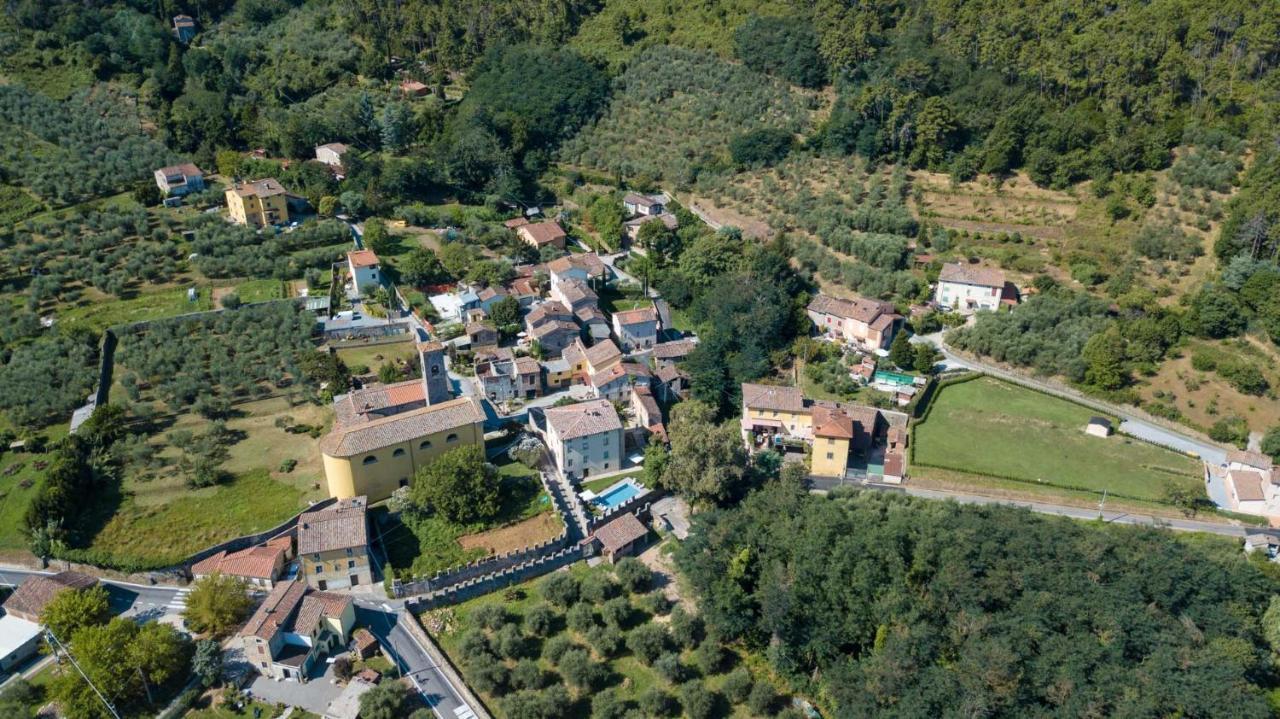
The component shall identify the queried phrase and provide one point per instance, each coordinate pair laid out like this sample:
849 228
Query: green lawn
260 290
598 485
368 355
223 711
103 313
990 427
166 533
18 489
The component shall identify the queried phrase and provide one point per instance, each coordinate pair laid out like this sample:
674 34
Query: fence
490 583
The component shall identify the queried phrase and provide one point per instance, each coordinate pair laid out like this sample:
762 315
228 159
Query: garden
984 426
599 641
423 540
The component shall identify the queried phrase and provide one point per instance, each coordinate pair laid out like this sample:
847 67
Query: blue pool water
617 494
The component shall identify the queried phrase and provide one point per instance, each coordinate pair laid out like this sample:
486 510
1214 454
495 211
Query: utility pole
86 678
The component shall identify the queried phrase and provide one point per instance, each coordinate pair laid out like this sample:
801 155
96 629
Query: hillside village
604 360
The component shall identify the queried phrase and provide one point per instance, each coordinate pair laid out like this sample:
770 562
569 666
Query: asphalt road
1085 513
135 600
412 659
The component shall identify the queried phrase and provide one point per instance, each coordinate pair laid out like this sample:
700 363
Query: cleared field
988 427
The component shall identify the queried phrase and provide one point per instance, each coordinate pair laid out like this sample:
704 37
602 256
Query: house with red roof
258 566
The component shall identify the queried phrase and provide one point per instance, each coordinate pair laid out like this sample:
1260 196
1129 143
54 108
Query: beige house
294 629
871 324
587 362
966 288
258 566
584 438
382 434
574 294
621 537
331 153
636 329
258 203
333 545
179 179
31 597
548 233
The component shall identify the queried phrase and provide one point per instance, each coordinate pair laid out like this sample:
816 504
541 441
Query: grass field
988 427
18 489
375 355
168 532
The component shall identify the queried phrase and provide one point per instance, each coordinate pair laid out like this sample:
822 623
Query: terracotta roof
884 322
633 198
33 595
602 353
972 275
186 169
340 526
670 373
316 606
542 233
552 327
636 316
276 611
644 397
860 309
489 293
610 374
523 287
355 406
515 222
574 291
385 431
591 315
258 562
337 147
1248 485
583 419
893 464
364 640
266 187
527 365
772 397
667 219
362 258
620 532
635 369
829 422
674 350
547 311
589 262
1249 459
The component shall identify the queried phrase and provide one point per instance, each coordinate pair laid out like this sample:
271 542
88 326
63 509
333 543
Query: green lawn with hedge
988 427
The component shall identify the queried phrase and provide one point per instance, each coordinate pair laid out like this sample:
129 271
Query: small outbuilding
1098 427
621 537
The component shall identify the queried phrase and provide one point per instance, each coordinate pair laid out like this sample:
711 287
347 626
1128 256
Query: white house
331 153
636 329
1098 427
584 438
968 288
363 265
1250 481
181 179
647 205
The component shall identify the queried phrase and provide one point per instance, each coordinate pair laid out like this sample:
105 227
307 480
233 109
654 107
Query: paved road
412 658
145 601
1085 513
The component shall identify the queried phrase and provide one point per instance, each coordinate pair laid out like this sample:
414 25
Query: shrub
526 674
561 589
648 642
509 642
616 612
656 703
581 618
287 465
555 647
762 698
597 587
607 704
697 700
581 670
668 667
686 628
489 616
737 686
607 641
633 574
709 657
655 602
540 620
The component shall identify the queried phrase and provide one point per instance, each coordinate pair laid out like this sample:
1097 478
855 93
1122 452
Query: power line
87 680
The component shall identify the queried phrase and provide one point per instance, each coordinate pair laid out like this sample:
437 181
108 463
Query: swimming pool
892 378
618 493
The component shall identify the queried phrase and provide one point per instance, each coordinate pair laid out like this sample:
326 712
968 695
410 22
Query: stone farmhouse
258 566
868 324
383 433
333 545
294 629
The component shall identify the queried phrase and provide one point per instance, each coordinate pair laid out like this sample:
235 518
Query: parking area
314 696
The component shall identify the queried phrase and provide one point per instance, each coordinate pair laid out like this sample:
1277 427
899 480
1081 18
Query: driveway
314 696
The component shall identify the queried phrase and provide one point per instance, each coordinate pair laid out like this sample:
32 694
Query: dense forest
886 605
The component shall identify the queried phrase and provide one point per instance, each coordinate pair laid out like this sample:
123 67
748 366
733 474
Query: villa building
258 203
333 545
870 324
584 438
294 629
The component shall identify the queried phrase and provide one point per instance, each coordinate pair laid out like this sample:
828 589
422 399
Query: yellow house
258 203
587 361
333 546
833 430
776 409
375 456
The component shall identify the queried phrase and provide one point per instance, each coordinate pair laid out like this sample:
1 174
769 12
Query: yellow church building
383 434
